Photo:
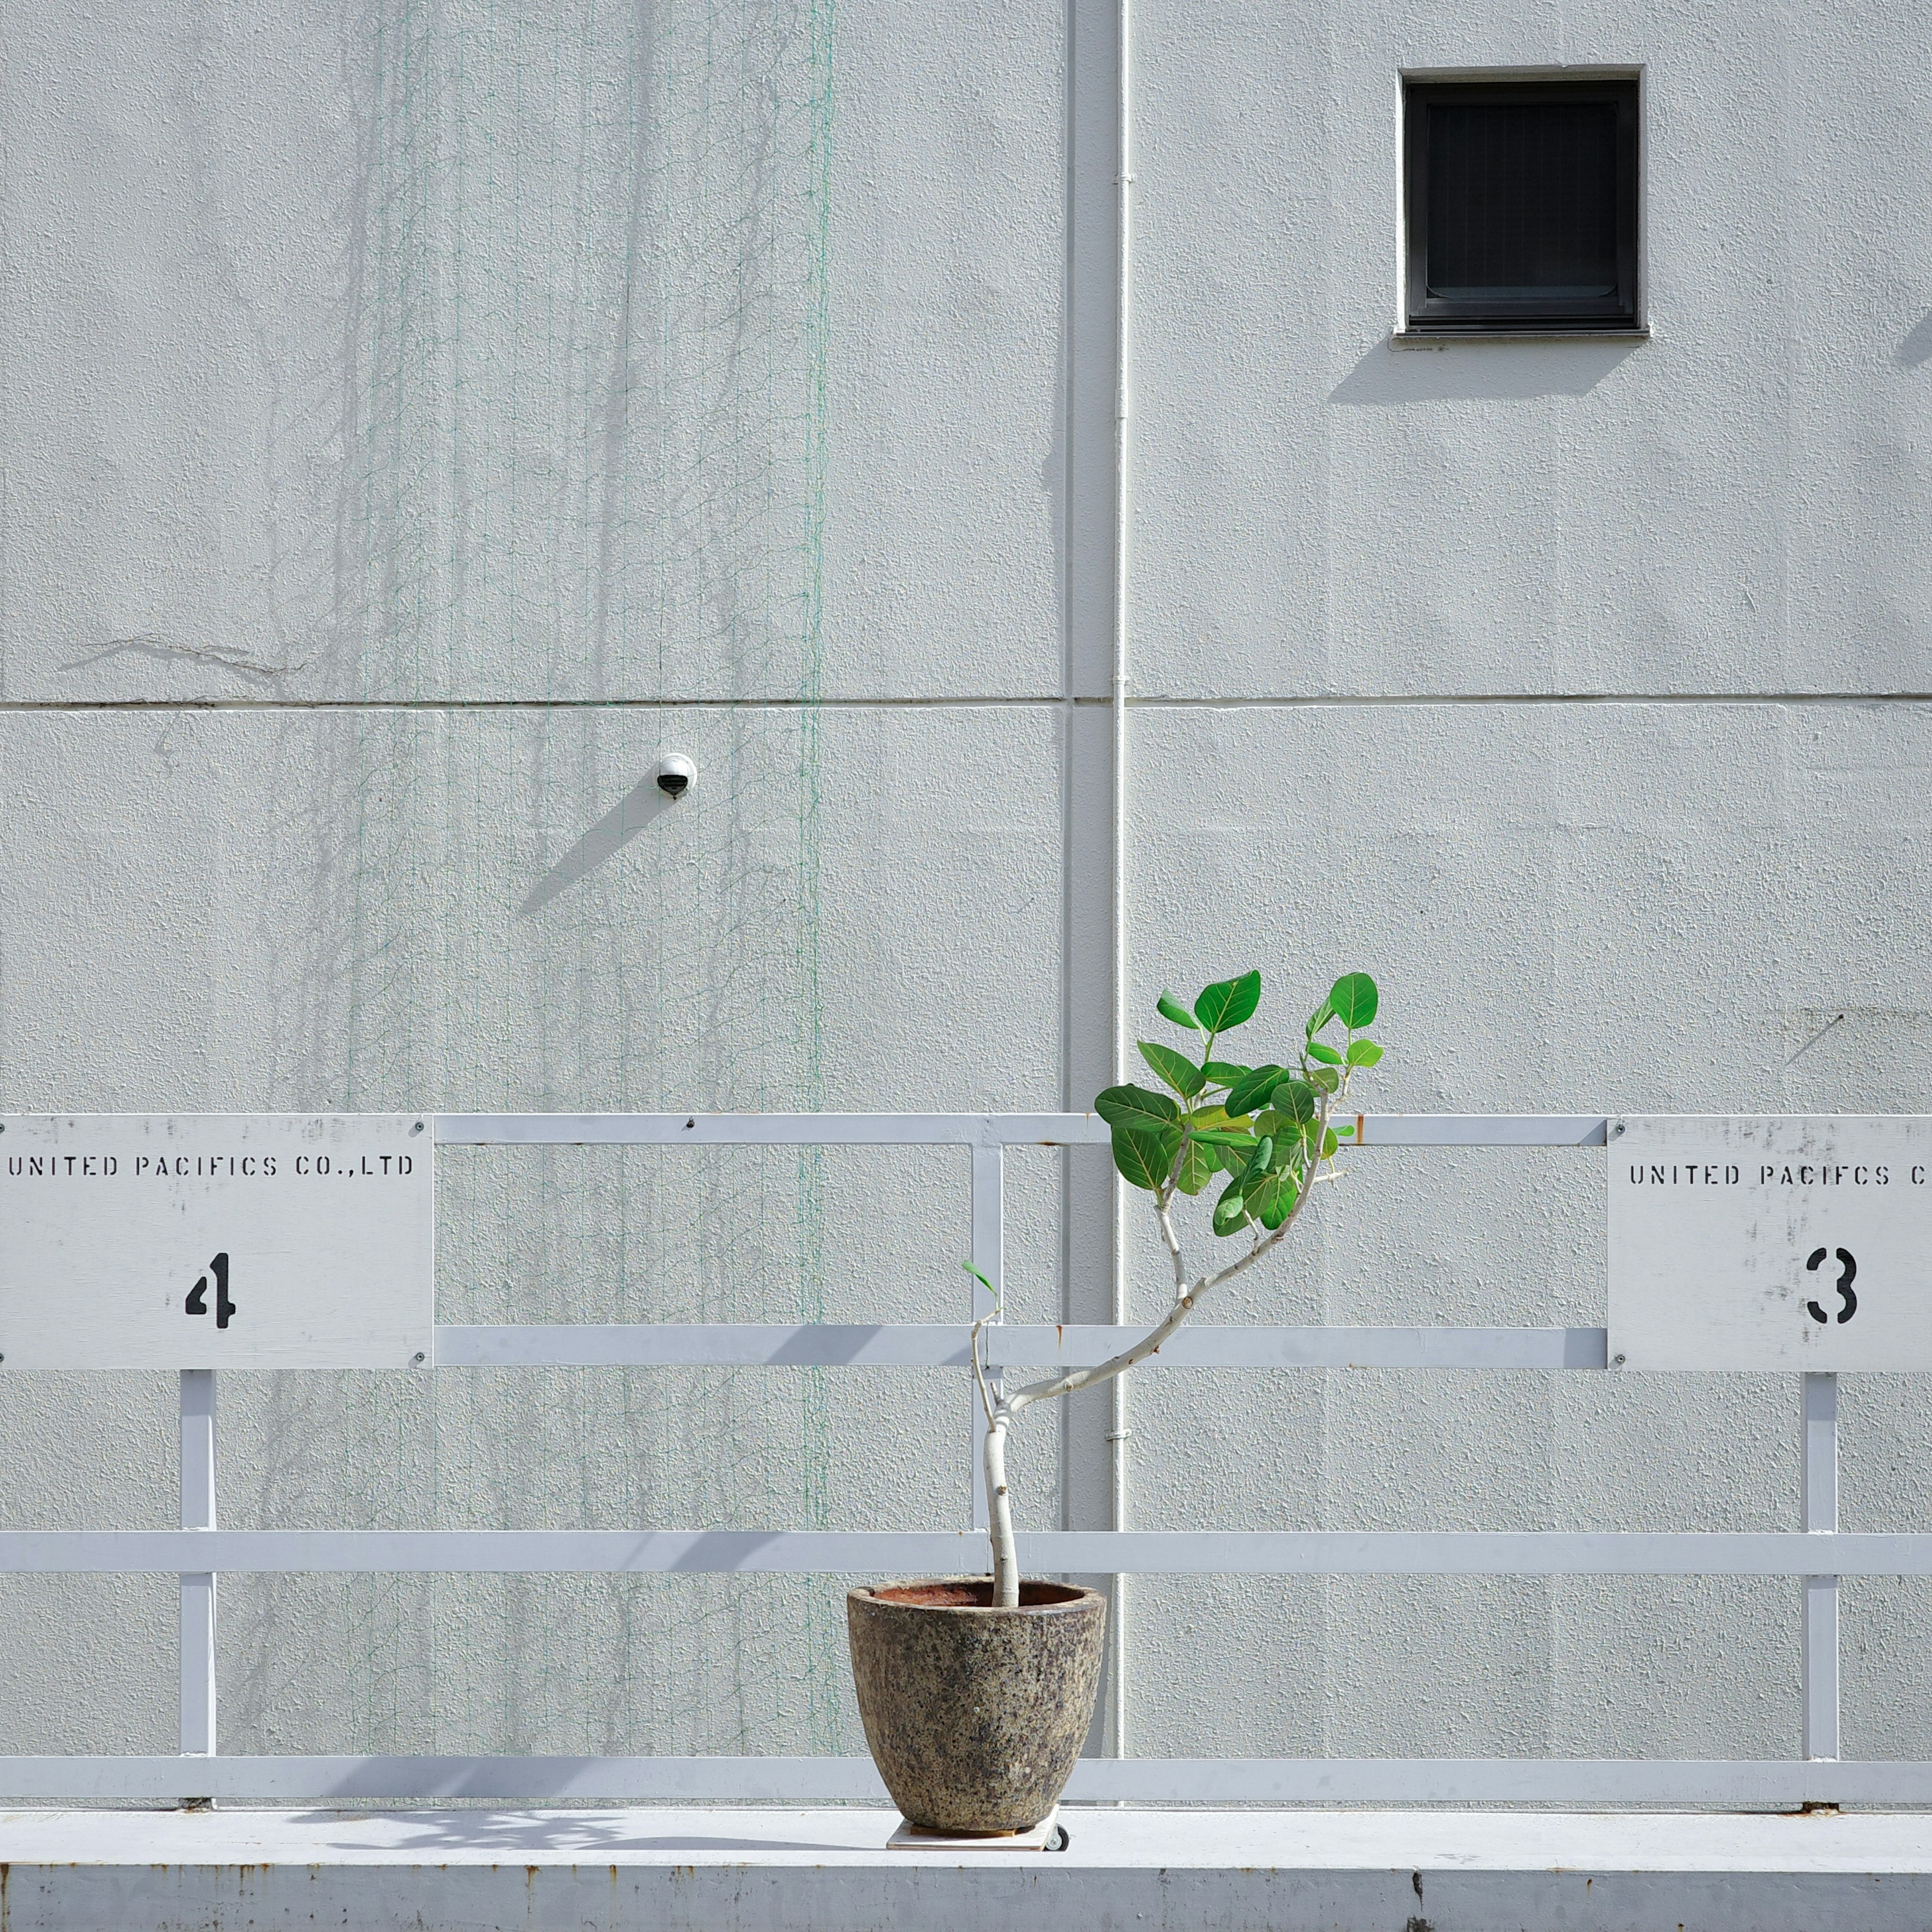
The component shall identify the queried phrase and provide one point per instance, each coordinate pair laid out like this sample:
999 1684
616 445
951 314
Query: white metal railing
199 1551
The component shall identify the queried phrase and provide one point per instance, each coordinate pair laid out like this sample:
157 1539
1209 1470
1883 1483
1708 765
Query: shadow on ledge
577 1834
1497 371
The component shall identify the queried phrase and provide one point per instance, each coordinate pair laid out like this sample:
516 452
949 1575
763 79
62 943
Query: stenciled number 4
197 1303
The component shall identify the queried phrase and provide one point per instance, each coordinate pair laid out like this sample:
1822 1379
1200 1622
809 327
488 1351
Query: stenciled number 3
1846 1275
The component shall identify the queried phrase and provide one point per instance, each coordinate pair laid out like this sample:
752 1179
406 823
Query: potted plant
976 1692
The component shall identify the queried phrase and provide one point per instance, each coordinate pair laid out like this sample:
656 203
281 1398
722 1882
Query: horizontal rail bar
1501 1780
824 1779
908 1345
1481 1130
961 1130
745 1780
1141 1553
769 1130
704 1345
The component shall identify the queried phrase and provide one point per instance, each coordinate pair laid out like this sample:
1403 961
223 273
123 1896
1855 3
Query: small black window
1522 206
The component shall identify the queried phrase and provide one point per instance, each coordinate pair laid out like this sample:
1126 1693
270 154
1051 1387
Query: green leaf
1329 1143
1134 1107
1145 1155
1253 1087
1224 1144
1273 1199
979 1278
1290 1134
1176 1069
1347 1133
1296 1099
1319 1018
1228 1002
1363 1053
1354 999
1258 1161
1320 1050
1223 1072
1198 1165
1169 1008
1325 1078
1228 1210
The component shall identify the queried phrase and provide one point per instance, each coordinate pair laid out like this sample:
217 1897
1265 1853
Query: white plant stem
1001 1407
1000 1512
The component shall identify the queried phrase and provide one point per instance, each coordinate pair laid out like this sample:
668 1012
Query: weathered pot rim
1066 1597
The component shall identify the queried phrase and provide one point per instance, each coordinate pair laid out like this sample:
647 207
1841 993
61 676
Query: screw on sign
197 1303
1848 1273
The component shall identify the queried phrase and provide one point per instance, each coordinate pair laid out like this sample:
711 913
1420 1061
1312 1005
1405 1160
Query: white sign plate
216 1241
1778 1242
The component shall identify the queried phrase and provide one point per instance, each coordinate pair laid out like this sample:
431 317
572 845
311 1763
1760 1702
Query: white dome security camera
674 775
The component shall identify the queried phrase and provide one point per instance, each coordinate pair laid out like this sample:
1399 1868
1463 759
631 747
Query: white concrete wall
418 418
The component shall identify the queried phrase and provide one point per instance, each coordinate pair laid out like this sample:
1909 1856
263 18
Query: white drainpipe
1117 1433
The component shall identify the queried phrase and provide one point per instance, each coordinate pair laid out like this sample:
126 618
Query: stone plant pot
974 1715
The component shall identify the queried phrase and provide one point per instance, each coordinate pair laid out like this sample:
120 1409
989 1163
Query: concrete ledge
773 1871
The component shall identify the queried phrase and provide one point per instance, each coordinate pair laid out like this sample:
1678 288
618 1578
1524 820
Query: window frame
1618 313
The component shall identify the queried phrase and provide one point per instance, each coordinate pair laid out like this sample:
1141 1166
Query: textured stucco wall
418 418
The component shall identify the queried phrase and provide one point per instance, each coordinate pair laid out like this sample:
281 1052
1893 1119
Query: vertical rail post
988 1257
197 1587
1820 1638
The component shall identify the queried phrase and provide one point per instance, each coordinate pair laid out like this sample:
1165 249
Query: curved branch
1186 1296
979 1369
1001 1407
